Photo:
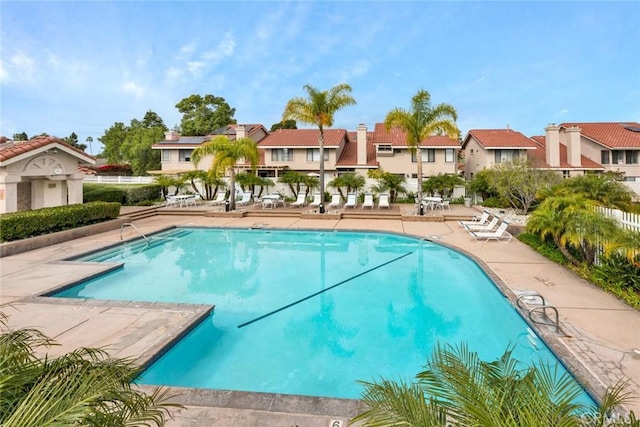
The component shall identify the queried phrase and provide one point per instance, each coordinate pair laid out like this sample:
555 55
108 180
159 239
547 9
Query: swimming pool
311 312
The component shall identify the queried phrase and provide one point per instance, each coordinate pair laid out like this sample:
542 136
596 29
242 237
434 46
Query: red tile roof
398 138
500 138
10 149
539 156
611 135
349 155
303 138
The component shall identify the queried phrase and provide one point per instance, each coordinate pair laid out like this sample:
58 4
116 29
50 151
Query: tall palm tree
227 154
318 109
421 121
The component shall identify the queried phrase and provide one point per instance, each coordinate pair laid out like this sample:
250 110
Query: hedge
21 225
127 195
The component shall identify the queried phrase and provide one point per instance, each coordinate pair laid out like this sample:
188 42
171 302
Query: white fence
106 179
626 220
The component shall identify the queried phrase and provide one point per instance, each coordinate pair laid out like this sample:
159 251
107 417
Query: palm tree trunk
232 193
321 149
573 260
419 162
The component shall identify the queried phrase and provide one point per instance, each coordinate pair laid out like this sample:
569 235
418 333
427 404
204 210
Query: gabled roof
539 156
295 138
349 155
500 139
190 142
15 150
610 135
398 138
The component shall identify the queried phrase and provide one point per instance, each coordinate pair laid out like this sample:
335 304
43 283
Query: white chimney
573 146
552 133
171 135
361 138
241 132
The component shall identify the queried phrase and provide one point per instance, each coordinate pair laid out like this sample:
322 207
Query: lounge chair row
483 230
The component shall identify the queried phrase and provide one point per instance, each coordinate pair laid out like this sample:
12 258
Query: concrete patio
598 338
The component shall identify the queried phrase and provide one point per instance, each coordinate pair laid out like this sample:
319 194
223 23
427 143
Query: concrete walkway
599 337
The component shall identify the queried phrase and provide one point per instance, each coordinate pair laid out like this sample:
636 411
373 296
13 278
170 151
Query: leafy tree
574 225
421 121
388 182
227 154
84 387
136 147
318 109
458 388
285 124
153 120
203 115
22 136
482 183
293 178
349 181
112 140
519 184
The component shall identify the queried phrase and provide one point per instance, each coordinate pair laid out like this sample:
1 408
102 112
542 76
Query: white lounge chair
368 201
316 200
300 201
483 227
219 200
477 220
383 201
352 200
246 199
500 234
335 201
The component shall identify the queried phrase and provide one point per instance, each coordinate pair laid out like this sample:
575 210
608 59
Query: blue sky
81 66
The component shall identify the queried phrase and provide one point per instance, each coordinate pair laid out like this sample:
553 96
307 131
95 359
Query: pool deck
597 329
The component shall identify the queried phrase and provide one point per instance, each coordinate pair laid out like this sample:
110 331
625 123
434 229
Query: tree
89 140
388 182
458 388
605 189
226 156
203 115
318 109
292 178
285 124
421 121
84 387
350 181
22 136
442 184
112 140
72 140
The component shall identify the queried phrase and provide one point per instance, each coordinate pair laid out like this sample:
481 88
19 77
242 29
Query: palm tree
350 181
292 178
318 109
388 181
421 121
227 154
458 386
84 387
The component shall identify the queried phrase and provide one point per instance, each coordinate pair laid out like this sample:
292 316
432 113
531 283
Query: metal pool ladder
540 307
130 224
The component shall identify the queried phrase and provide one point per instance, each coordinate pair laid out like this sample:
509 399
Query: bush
546 248
493 202
124 194
21 225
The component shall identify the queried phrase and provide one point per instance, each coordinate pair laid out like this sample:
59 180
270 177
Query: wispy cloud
133 88
224 49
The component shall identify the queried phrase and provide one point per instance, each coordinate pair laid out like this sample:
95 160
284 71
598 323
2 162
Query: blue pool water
311 312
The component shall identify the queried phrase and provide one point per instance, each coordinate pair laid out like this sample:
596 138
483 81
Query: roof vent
633 128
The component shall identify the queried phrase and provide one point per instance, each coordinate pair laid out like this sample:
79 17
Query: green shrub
144 193
21 225
493 202
124 194
616 269
546 248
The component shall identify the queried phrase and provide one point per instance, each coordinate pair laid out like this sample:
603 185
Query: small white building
40 173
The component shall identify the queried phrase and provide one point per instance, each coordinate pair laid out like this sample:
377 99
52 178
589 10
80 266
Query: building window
282 155
631 157
617 157
313 155
385 148
184 155
566 174
166 156
449 155
428 155
505 156
604 157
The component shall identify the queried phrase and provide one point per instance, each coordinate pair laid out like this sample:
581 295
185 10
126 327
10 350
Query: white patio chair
483 227
500 234
246 199
300 201
219 200
368 201
477 219
383 201
316 200
352 201
335 201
